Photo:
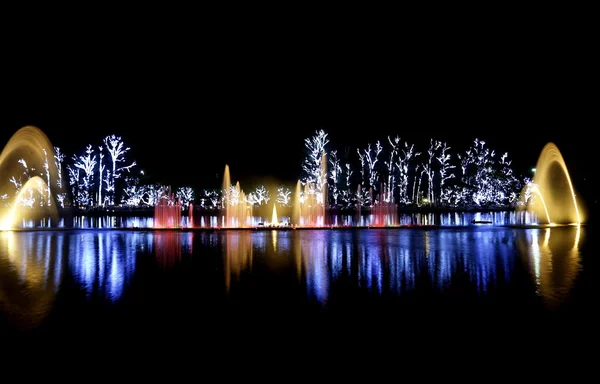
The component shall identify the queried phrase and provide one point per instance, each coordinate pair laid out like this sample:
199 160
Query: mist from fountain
553 194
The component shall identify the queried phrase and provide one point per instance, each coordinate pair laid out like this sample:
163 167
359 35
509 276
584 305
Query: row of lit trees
398 173
394 172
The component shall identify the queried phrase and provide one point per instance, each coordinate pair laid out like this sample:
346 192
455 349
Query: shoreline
291 228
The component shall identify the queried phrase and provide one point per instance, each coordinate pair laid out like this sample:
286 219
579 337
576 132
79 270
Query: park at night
399 235
253 197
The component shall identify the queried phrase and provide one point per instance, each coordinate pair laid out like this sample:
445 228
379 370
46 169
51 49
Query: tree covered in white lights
314 166
117 150
284 196
59 158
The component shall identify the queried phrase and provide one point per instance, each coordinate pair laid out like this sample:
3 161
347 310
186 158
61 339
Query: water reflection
103 262
33 266
472 263
237 255
554 259
30 274
169 246
322 267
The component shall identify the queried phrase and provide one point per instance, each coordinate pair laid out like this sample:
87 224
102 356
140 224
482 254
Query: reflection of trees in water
398 262
554 260
464 263
103 262
30 274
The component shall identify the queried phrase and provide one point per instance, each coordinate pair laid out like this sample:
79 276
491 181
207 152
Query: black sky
189 102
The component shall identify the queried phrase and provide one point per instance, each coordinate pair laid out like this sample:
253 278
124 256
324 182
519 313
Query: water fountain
167 212
553 198
30 149
384 212
235 210
274 219
309 206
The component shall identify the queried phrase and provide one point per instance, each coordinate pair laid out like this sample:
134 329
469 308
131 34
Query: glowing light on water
31 278
554 259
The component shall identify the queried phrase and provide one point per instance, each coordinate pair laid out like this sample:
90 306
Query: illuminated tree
368 162
209 199
116 149
315 165
59 158
405 157
348 193
391 179
283 196
428 170
86 163
261 195
445 166
185 196
334 175
101 168
133 192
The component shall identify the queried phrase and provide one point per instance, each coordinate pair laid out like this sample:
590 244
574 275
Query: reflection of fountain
167 248
30 149
234 204
237 254
553 255
30 275
553 195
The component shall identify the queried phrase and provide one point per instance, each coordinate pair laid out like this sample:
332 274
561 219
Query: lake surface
359 285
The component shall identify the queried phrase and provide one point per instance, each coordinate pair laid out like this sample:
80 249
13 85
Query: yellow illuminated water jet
553 199
234 206
274 220
28 150
35 189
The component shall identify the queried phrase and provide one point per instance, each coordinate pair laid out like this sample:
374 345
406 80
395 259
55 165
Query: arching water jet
28 150
553 197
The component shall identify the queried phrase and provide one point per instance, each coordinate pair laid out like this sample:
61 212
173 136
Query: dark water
309 288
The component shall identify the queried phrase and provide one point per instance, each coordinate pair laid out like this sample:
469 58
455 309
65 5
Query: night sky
187 106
